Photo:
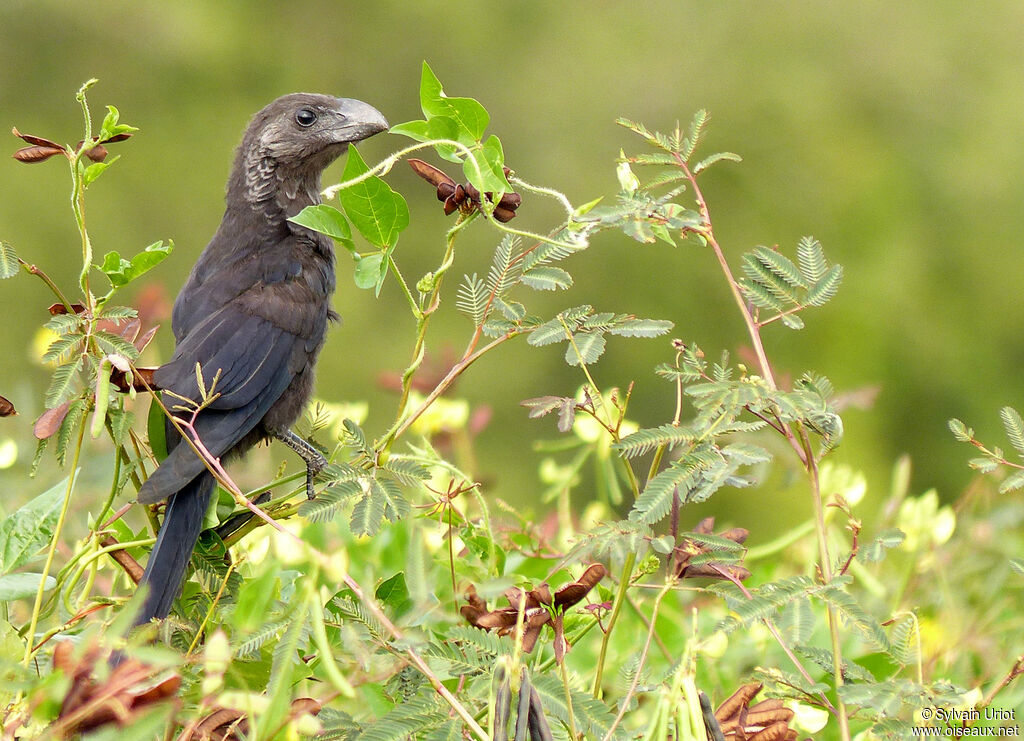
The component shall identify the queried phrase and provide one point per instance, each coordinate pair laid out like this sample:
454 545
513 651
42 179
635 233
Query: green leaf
8 261
585 348
656 500
22 586
633 327
413 129
875 551
854 612
590 715
111 127
93 171
644 441
490 159
62 383
1012 482
811 259
1014 426
62 348
708 161
112 344
505 268
327 220
29 528
74 417
377 212
367 514
470 117
329 502
547 278
471 299
960 431
370 271
121 271
822 291
62 324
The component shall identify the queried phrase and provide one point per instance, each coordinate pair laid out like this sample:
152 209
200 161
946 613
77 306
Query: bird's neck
272 193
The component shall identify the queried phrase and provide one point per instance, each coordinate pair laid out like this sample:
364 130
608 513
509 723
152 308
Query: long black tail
165 571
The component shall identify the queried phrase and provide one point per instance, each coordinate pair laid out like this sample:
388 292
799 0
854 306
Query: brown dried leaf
705 526
735 534
50 420
143 340
6 407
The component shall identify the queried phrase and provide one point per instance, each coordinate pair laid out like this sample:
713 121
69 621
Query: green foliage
775 283
362 599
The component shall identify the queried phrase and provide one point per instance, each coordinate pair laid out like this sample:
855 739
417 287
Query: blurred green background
890 131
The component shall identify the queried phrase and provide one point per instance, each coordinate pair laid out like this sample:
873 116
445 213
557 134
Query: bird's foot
315 460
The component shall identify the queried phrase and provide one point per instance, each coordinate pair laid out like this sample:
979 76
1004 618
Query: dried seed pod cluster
41 149
465 198
541 607
126 693
767 720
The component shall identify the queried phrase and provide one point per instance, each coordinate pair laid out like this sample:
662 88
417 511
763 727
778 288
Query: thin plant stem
51 552
620 598
624 703
798 439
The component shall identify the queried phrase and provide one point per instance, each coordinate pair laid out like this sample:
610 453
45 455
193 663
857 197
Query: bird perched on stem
253 313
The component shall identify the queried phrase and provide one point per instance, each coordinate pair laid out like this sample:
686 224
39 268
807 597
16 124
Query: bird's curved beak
358 120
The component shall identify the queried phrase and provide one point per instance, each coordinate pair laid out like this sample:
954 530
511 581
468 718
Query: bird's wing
257 343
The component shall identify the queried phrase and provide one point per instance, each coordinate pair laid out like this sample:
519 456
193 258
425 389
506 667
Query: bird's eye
305 117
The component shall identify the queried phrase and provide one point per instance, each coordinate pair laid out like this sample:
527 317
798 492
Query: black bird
255 309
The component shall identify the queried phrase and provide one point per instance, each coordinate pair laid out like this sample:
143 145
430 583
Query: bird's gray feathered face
290 142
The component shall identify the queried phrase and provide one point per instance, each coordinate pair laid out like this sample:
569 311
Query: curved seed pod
539 728
430 173
445 191
738 699
502 706
523 708
710 722
6 407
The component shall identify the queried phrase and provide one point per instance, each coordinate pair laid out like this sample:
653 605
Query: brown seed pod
6 407
30 155
738 699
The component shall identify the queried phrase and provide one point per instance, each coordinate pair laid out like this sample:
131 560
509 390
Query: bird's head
289 143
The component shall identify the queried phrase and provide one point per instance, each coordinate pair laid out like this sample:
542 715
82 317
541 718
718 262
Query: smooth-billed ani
255 309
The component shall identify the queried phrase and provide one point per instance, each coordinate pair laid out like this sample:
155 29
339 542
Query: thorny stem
798 439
